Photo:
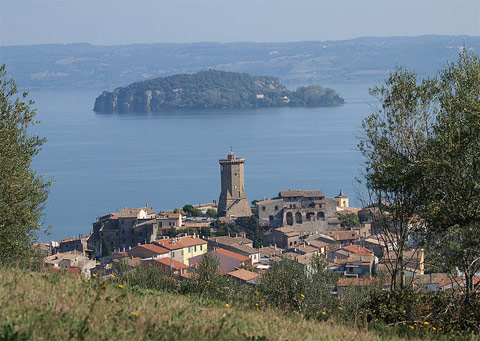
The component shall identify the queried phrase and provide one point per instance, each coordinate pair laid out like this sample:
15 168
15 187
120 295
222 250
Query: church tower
233 199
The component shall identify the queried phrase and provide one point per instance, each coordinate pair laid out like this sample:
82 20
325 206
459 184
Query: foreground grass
48 306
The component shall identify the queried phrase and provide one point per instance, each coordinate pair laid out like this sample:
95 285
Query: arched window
310 216
289 218
321 216
298 218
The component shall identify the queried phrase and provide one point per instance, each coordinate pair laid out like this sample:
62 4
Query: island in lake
211 89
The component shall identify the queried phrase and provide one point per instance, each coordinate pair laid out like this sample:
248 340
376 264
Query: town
300 225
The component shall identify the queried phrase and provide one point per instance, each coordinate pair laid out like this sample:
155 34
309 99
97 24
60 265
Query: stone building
302 210
129 228
233 200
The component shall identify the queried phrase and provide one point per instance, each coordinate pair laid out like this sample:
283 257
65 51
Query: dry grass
49 307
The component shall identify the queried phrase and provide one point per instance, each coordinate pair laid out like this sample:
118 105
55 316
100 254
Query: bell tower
233 199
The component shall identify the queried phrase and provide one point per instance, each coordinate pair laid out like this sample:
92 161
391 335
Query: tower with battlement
233 200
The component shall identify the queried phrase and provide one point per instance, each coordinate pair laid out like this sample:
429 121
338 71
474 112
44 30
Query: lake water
104 162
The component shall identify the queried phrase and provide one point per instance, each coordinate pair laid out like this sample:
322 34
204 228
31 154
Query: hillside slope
51 307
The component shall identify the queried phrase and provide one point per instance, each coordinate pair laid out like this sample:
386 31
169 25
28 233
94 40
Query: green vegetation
212 212
349 220
190 210
422 171
211 90
53 307
22 191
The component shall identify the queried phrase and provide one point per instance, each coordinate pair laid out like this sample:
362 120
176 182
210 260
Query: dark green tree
23 192
212 212
349 220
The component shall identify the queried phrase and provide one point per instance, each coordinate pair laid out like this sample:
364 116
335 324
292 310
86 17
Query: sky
112 22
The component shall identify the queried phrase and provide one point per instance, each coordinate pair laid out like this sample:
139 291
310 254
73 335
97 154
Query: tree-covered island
212 89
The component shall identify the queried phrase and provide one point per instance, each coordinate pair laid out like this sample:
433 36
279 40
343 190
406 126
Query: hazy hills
366 59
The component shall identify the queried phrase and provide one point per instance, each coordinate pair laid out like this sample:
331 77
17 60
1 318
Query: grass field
51 307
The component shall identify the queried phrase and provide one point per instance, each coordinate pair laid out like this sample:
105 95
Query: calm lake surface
104 162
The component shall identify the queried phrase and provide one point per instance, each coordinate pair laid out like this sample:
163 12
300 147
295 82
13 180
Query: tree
22 191
349 220
253 230
194 212
212 212
453 183
395 145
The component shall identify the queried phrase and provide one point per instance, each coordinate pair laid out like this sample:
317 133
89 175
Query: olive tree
22 191
394 144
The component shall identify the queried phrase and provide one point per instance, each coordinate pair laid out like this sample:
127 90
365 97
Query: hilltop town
301 225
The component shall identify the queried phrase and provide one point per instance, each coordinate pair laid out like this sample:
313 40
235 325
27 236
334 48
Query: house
73 259
228 260
183 248
345 237
244 276
307 210
152 251
432 281
175 267
413 261
283 237
74 244
240 245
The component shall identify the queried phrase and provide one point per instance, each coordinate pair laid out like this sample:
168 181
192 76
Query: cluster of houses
299 224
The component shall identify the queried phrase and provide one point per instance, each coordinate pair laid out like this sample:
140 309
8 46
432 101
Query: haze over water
104 162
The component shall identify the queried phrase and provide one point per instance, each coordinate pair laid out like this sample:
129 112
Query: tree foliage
422 168
211 89
349 220
22 191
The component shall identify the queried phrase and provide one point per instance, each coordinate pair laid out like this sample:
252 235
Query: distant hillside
211 90
366 59
36 306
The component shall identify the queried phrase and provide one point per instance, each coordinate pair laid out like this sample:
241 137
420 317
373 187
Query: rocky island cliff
211 90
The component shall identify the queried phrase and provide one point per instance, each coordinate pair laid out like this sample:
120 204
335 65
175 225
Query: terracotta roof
180 243
226 240
354 282
56 269
244 275
345 235
132 212
149 247
231 254
306 248
300 193
291 234
268 251
170 262
357 249
434 278
317 243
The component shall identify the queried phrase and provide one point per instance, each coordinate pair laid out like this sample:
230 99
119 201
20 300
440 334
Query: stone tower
233 199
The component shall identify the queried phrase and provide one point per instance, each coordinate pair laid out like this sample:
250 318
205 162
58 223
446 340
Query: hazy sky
103 22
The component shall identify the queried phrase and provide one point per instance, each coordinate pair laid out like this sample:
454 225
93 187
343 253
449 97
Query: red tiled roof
231 254
357 249
170 262
244 275
150 247
174 244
